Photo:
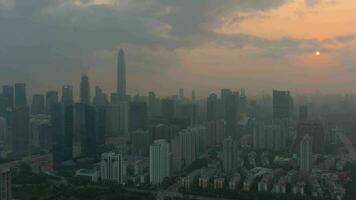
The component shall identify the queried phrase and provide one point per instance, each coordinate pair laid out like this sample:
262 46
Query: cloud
71 36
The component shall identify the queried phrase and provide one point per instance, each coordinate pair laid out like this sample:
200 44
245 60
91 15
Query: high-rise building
137 116
84 90
159 161
189 113
193 96
271 136
20 131
100 122
51 99
222 106
163 131
124 118
282 104
315 129
141 141
176 152
57 124
212 108
231 114
121 75
303 113
5 184
20 95
100 98
181 93
85 135
242 101
38 104
306 153
8 94
152 105
231 155
192 142
168 108
215 132
3 129
112 167
67 95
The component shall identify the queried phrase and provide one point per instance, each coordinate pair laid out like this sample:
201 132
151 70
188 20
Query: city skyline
230 45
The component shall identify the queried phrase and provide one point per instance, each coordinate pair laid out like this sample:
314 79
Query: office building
67 95
137 116
3 129
38 104
231 155
84 96
100 98
20 95
231 114
51 99
85 127
141 141
19 124
5 184
121 75
282 104
303 113
315 129
168 108
112 167
306 153
8 94
215 132
212 108
159 161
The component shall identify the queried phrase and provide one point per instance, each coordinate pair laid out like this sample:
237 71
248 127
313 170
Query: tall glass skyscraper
20 95
121 75
84 90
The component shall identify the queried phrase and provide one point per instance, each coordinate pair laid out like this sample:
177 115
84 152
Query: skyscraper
231 155
84 90
5 184
181 93
20 95
159 161
100 98
303 113
112 167
67 95
8 94
306 154
231 115
137 116
38 104
121 75
212 108
141 141
85 131
3 129
51 99
20 131
282 104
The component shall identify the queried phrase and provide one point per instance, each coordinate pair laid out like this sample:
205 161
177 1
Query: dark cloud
46 36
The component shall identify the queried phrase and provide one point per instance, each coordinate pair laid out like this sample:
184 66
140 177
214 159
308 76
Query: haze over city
177 99
202 44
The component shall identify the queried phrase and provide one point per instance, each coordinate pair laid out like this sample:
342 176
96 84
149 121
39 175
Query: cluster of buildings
145 140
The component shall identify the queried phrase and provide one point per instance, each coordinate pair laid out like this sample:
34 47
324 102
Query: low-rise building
87 175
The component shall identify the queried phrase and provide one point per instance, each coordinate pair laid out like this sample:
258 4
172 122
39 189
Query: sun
317 53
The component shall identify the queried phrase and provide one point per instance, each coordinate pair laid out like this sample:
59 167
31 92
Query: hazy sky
195 44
